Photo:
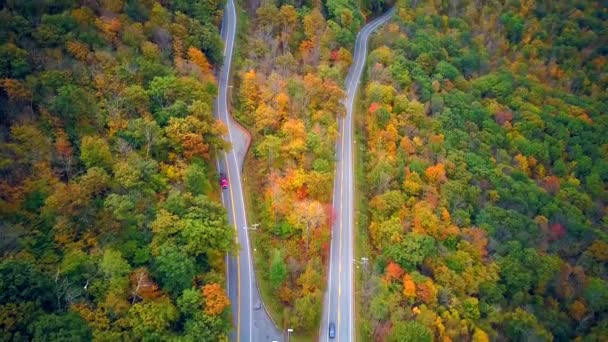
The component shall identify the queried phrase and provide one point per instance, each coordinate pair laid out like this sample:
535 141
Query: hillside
111 224
485 172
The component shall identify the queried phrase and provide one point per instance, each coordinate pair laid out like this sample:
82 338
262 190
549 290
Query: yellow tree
435 173
199 59
266 118
295 133
311 215
409 287
216 300
250 90
77 49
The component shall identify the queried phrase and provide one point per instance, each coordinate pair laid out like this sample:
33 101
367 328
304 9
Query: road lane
338 306
251 322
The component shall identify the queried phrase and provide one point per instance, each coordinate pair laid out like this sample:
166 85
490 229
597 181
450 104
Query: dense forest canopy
290 69
110 221
483 183
485 172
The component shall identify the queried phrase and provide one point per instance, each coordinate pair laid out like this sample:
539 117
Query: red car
223 181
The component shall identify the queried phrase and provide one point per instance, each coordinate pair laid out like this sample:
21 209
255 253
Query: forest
289 85
111 225
486 161
482 199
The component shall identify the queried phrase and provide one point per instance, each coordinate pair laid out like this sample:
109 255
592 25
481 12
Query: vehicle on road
332 330
223 181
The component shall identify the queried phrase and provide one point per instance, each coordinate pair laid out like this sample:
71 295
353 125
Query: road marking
341 222
353 85
238 178
238 264
222 100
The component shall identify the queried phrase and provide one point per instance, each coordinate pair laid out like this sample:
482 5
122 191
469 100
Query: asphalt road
250 318
338 306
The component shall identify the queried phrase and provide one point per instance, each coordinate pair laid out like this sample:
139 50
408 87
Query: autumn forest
481 164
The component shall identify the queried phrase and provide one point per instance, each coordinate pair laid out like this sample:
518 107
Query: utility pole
253 226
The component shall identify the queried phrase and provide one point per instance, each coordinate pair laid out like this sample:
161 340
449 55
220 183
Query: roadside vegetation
485 173
288 94
109 206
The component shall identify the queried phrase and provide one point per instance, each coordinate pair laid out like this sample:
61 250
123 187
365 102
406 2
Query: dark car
223 181
332 330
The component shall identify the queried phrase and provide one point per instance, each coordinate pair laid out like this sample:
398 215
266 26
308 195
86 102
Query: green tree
190 302
410 331
21 282
95 151
66 327
412 250
174 268
196 179
523 326
113 264
306 311
596 294
152 319
278 270
13 61
204 327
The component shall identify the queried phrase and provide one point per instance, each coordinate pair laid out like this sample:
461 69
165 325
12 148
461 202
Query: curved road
250 319
338 306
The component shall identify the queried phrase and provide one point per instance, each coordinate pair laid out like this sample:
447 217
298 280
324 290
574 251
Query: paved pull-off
249 317
338 306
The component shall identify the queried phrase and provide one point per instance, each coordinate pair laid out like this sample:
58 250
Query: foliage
106 150
485 172
289 89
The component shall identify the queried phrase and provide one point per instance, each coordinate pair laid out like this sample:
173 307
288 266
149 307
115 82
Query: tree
216 300
205 229
21 282
136 101
66 327
206 328
16 317
471 308
306 311
16 90
435 173
250 90
386 233
427 292
521 325
296 145
409 287
596 294
142 286
196 179
96 152
175 269
77 49
74 103
200 60
410 331
113 264
311 214
146 133
480 336
577 310
310 279
190 302
13 61
152 318
278 270
412 250
393 272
